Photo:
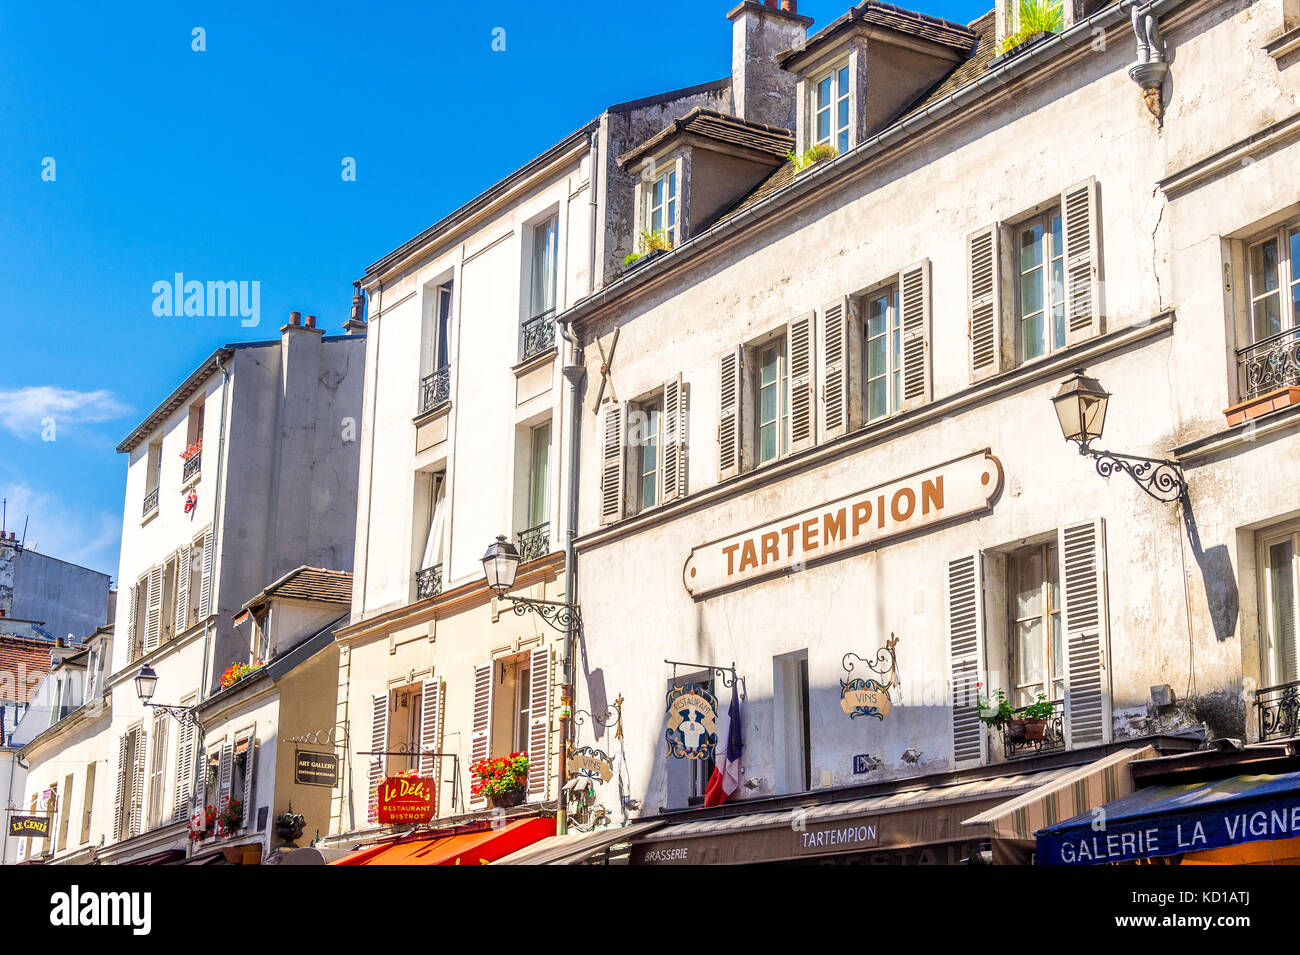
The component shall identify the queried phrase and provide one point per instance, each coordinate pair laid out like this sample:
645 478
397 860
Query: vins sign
404 800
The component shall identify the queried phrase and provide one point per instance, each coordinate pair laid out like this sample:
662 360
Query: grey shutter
133 624
539 721
730 418
966 654
611 463
674 440
837 346
121 809
803 392
983 266
914 299
205 586
153 610
182 589
378 738
1079 226
137 784
201 781
431 735
184 771
223 775
1084 619
480 746
250 770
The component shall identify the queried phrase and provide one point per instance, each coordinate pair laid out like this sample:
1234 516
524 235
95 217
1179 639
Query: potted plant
1034 718
1038 18
202 823
230 818
237 671
996 712
653 242
501 781
289 826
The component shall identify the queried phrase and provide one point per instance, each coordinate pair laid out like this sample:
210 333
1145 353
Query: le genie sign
403 800
926 498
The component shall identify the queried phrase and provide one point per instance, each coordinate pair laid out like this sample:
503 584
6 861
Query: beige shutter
182 590
914 299
121 809
730 417
480 746
611 462
184 771
674 440
378 739
837 346
133 624
250 770
966 653
803 391
1084 620
983 264
205 586
137 784
153 610
1079 227
201 781
539 721
431 735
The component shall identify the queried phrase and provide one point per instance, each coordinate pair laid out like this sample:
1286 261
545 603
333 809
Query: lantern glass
500 564
146 681
1081 409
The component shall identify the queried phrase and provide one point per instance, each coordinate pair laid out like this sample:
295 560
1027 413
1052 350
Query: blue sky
226 164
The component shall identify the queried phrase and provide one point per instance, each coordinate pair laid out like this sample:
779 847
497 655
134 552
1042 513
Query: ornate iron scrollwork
1279 711
428 582
561 616
435 389
534 542
1162 480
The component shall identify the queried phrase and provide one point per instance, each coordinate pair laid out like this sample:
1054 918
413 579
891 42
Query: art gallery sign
928 498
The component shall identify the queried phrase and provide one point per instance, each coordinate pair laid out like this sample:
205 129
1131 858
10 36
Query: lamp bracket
1159 478
182 714
560 616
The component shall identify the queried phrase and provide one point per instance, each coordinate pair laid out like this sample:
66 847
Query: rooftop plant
1036 16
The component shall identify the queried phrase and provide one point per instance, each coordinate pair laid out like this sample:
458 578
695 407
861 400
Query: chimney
311 321
356 323
295 318
762 92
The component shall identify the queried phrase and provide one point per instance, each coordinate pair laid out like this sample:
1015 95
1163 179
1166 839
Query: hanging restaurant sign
692 722
924 499
402 800
37 827
866 696
590 762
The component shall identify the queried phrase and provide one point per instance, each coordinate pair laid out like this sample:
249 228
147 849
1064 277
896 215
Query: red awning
455 847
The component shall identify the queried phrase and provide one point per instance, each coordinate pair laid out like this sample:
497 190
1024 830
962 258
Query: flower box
1261 405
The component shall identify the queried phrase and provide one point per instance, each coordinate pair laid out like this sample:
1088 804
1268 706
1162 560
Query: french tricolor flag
726 768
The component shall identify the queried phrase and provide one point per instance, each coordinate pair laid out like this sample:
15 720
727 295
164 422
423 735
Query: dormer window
830 119
661 205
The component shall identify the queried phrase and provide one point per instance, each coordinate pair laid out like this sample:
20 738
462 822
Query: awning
166 857
1168 820
576 848
456 846
886 823
1011 825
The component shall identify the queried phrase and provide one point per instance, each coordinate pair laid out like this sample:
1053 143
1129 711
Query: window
168 618
512 705
442 326
661 205
793 729
645 438
130 783
538 474
545 261
830 119
158 771
241 778
195 583
66 815
152 476
432 487
1040 286
882 333
87 802
1278 610
773 409
1034 606
404 727
139 615
1275 284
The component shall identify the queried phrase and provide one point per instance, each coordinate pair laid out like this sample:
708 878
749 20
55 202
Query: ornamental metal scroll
867 696
588 761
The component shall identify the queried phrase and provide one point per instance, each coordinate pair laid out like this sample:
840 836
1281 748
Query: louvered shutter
803 393
983 265
480 746
378 738
205 586
674 440
250 770
184 771
201 782
223 775
182 589
431 735
133 624
1084 619
730 417
611 463
914 299
1079 227
539 721
837 338
137 785
121 809
966 653
153 610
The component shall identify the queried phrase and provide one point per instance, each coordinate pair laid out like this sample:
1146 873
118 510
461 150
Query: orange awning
455 847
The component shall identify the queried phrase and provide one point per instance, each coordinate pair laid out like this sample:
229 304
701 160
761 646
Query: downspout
574 371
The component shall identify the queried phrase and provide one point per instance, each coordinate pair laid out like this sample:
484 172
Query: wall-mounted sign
924 499
315 769
37 827
864 763
403 800
866 696
692 722
590 762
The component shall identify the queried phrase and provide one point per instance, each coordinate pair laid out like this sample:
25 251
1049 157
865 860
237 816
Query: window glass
1040 298
1282 611
830 119
538 474
769 403
883 342
1266 304
545 240
649 467
443 305
1037 653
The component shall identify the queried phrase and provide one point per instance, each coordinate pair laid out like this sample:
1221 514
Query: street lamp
1080 405
500 564
146 681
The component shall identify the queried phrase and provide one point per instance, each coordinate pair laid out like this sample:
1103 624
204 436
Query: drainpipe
574 371
592 284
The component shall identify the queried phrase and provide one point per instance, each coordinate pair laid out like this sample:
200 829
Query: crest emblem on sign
692 722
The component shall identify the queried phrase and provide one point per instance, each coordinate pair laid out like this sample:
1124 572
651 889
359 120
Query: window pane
1295 277
1031 248
1263 267
876 398
823 126
824 93
1028 583
1268 317
1029 661
1281 584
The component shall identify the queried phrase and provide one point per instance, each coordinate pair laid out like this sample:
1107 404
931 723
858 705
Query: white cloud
76 533
25 411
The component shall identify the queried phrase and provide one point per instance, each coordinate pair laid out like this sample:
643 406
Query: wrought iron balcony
1019 739
435 389
538 335
534 542
1269 364
192 467
1279 711
428 582
150 502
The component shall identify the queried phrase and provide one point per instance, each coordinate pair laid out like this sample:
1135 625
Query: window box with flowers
501 781
203 824
237 671
193 458
231 818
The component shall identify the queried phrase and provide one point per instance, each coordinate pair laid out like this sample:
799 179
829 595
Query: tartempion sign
692 722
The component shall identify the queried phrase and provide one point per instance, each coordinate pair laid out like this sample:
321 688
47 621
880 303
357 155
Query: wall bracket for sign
867 696
406 749
317 738
720 672
613 715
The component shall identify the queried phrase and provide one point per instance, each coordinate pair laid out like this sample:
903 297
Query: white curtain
433 543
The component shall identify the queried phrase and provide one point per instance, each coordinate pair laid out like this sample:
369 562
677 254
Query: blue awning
1168 820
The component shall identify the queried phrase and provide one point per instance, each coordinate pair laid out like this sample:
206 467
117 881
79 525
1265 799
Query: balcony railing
150 502
1279 711
538 335
1019 741
1269 364
428 582
435 389
192 467
535 542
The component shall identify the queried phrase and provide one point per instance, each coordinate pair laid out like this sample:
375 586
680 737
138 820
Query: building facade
65 599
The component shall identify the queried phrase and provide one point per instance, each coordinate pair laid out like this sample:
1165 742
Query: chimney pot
790 6
311 321
295 318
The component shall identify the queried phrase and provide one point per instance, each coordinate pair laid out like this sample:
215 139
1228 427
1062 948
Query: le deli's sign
926 498
402 800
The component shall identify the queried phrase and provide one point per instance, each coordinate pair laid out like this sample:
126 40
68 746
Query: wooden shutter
153 610
182 589
730 417
205 586
184 771
611 463
983 265
674 440
480 746
137 784
1084 620
133 624
1079 226
121 809
378 738
914 300
431 735
250 769
539 721
803 393
223 775
837 346
966 653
